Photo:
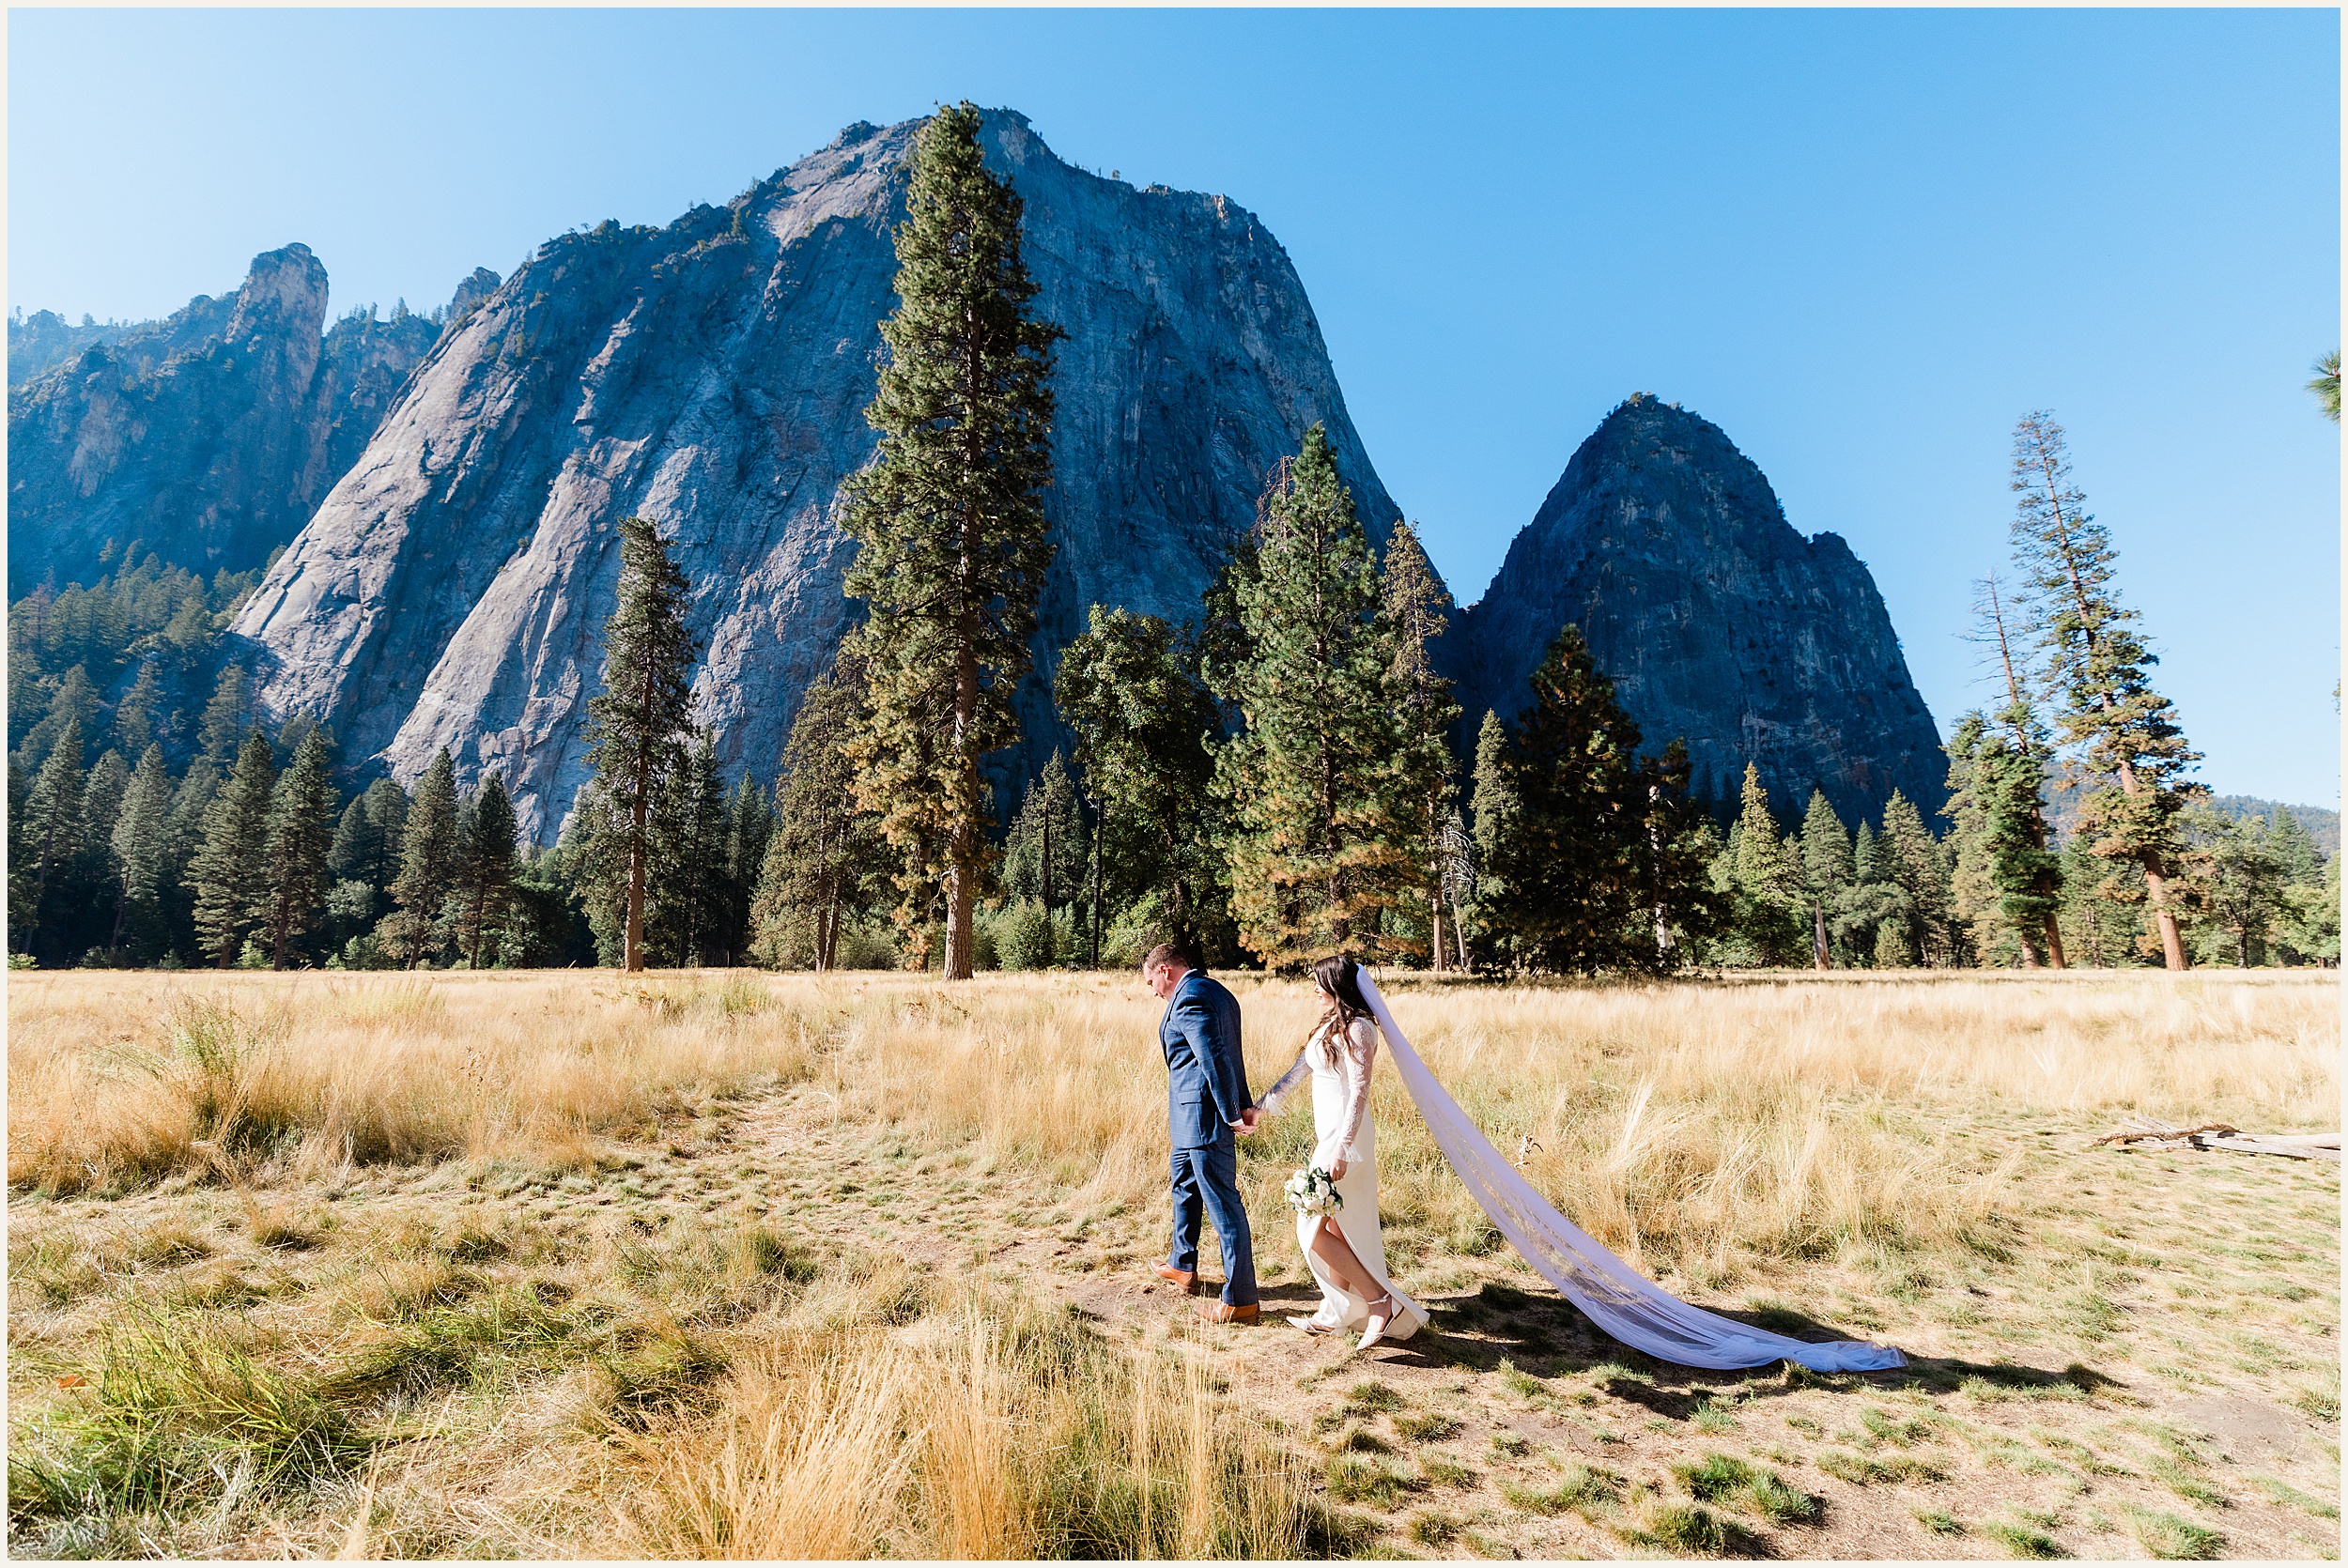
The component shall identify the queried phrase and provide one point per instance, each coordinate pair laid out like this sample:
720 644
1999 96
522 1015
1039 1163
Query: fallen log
2223 1135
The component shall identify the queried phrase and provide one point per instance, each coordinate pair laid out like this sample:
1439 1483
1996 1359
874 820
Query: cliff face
712 375
1719 624
208 437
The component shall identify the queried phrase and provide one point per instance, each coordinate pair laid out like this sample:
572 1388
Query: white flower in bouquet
1314 1191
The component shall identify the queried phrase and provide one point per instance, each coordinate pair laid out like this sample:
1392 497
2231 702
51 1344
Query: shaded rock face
208 438
1719 624
712 375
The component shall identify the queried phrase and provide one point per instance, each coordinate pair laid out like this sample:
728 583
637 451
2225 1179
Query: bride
1345 1251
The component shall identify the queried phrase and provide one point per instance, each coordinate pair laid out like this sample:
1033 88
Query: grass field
757 1265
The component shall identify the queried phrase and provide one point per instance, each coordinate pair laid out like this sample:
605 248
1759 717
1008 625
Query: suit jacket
1206 1075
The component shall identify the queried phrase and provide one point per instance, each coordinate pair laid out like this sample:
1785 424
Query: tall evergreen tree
637 724
948 520
826 854
229 874
1770 904
142 856
1915 861
1044 854
1827 869
1417 607
54 827
2097 665
1596 862
300 833
1317 847
750 827
428 868
685 914
1143 719
1496 805
483 872
227 716
139 712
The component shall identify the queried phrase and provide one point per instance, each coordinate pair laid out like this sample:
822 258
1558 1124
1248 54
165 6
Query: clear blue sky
1862 242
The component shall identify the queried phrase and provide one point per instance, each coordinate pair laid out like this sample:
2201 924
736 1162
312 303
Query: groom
1207 1100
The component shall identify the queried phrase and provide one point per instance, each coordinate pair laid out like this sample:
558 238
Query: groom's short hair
1166 955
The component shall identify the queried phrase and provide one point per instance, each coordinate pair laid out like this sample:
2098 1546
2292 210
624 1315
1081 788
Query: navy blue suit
1206 1091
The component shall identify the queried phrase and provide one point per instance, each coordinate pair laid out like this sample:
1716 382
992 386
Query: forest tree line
1275 779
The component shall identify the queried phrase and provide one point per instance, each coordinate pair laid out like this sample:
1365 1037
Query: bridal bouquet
1314 1192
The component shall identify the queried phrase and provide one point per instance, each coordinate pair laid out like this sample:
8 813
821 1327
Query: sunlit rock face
712 375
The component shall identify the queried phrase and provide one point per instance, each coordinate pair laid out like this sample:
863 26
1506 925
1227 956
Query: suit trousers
1207 1180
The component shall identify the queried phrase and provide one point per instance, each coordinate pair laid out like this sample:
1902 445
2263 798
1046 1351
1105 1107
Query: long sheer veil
1617 1298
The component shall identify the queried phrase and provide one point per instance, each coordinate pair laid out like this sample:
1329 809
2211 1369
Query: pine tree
1495 807
483 872
1826 869
826 854
227 716
1915 861
750 827
1143 720
2294 851
1317 846
229 874
139 711
686 900
54 827
300 833
428 868
1770 903
1044 854
636 725
951 528
2097 665
142 854
71 700
1416 609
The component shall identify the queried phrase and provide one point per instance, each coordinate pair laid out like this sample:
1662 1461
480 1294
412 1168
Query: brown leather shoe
1222 1312
1183 1277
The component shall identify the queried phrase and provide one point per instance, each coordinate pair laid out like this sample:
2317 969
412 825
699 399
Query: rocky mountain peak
1720 624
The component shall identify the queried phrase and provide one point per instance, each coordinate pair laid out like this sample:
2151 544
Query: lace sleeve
1274 1096
1361 1053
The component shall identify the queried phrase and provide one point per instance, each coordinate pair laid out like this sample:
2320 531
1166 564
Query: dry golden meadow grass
571 1264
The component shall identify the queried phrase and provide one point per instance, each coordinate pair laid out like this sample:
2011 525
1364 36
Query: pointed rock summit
712 375
1718 623
207 438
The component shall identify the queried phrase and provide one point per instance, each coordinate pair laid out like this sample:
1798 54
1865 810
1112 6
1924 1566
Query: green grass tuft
2170 1539
1939 1521
1581 1489
2023 1541
173 1410
1430 1428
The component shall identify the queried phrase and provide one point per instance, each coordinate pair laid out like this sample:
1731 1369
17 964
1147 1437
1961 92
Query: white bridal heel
1377 1322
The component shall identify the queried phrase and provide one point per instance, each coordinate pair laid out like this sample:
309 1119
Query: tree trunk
635 958
2029 951
1818 936
1098 818
2054 944
1458 934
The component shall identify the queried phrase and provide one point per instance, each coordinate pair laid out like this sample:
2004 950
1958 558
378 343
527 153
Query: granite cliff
712 375
208 437
1718 623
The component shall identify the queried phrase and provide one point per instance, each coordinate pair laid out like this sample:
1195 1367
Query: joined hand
1248 1118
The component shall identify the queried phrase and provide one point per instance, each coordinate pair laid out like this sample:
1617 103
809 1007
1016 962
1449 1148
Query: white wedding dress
1344 1129
1615 1297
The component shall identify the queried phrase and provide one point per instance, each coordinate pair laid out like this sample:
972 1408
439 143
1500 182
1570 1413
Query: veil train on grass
1620 1301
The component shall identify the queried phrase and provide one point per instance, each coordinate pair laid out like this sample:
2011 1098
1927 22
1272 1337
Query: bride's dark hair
1339 978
